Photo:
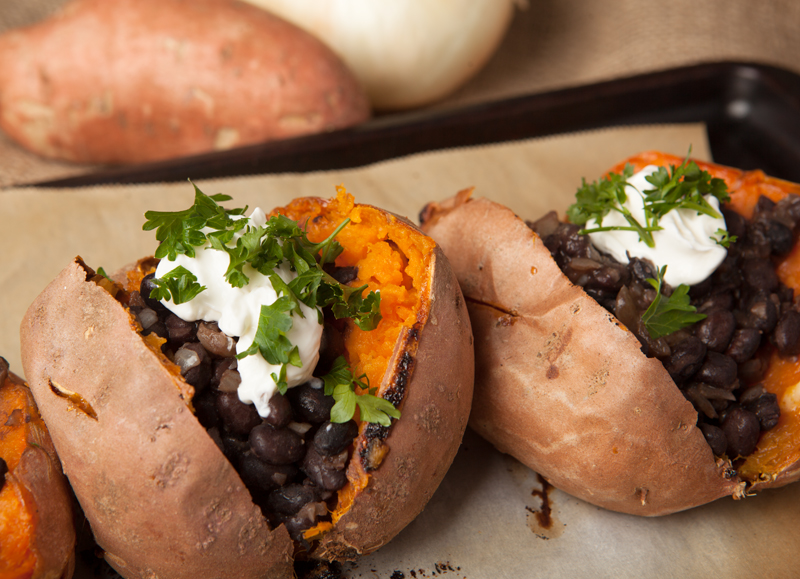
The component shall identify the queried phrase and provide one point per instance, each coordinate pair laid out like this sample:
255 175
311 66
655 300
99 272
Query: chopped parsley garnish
667 315
179 285
340 383
682 187
279 243
723 238
271 341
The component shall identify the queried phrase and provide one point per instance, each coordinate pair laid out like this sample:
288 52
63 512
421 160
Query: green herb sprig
179 285
340 383
264 249
682 187
667 315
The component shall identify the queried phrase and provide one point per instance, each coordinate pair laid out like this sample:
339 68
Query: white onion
406 53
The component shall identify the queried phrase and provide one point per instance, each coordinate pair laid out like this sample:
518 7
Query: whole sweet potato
160 495
563 385
37 537
130 81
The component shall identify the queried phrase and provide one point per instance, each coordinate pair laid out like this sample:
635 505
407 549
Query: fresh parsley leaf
274 322
667 315
340 382
682 187
101 271
180 231
723 238
179 285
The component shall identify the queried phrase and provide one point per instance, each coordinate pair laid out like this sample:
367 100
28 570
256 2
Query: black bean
718 301
179 331
331 347
332 437
766 409
145 288
215 340
760 313
235 450
742 429
716 330
290 499
3 471
280 411
715 438
744 343
686 359
326 472
237 417
158 328
346 274
760 274
753 370
763 205
304 519
219 366
546 225
205 409
311 404
718 370
264 477
735 224
229 381
786 335
780 237
276 446
641 270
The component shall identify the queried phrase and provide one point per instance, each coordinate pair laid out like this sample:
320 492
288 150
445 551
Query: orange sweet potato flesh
37 537
173 505
563 386
132 81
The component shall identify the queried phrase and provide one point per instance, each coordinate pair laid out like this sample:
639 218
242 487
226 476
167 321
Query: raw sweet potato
563 385
160 495
131 81
36 525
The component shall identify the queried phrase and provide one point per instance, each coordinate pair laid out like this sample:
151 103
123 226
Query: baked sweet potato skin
36 522
160 495
563 386
136 404
433 362
133 81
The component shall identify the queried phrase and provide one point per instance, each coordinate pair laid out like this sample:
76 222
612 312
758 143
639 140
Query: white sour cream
684 245
237 311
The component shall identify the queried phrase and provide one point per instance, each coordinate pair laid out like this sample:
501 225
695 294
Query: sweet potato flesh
391 258
17 516
779 447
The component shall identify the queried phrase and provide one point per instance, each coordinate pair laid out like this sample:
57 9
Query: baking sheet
482 521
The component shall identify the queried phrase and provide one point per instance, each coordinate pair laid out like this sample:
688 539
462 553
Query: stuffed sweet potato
180 478
142 80
36 525
570 380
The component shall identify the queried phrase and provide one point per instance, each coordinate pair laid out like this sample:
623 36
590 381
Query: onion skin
406 53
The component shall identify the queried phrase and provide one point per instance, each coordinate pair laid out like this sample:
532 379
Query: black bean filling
715 361
293 461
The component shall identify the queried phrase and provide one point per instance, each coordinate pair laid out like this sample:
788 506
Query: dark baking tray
752 112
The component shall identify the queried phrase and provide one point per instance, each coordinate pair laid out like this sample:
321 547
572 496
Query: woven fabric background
554 44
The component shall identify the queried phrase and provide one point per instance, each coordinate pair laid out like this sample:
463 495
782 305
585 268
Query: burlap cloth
554 44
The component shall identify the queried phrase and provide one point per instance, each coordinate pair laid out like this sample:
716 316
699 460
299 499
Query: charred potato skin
430 377
561 384
133 81
40 480
433 369
161 498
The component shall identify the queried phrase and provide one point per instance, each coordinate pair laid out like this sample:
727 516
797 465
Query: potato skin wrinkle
174 506
133 81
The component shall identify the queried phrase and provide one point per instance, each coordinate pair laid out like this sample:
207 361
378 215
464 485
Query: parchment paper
481 523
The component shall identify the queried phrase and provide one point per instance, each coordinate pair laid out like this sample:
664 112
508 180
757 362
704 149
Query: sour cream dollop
685 244
237 312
